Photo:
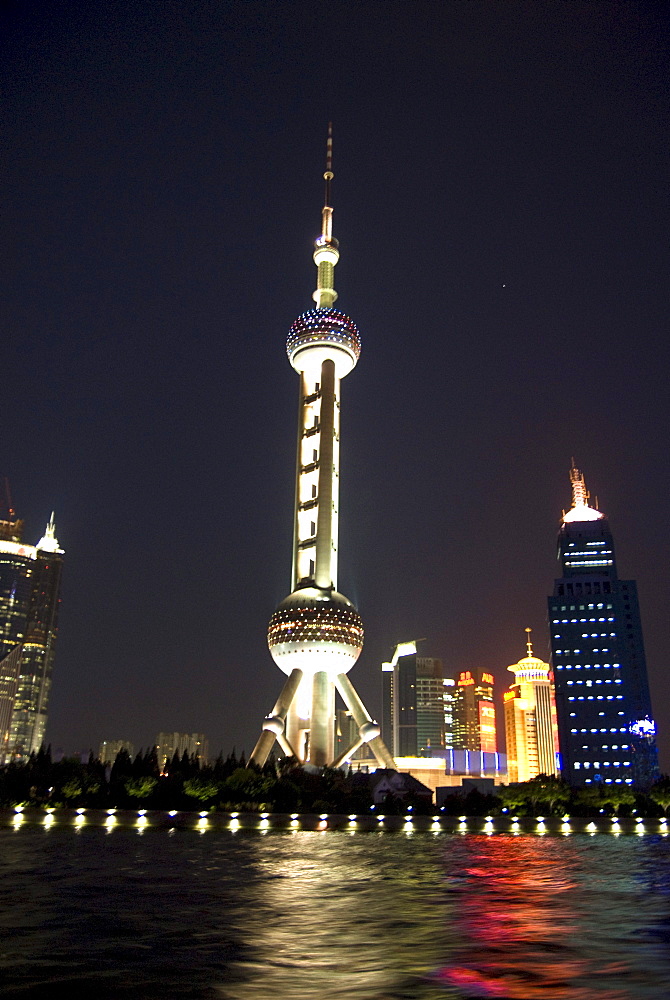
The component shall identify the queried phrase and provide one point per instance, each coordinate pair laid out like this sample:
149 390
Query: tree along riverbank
228 785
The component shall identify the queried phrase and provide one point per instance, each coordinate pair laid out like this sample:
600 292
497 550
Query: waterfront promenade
374 821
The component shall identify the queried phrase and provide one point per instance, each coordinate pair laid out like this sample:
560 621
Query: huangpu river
114 908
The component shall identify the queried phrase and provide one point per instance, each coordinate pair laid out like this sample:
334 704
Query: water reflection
340 917
334 916
552 918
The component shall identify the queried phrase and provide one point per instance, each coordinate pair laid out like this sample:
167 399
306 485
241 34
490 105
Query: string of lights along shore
315 635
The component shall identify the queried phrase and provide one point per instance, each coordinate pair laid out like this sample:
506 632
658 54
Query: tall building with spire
316 634
605 724
531 731
29 599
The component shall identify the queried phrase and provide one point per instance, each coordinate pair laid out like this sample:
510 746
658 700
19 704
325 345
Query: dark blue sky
501 201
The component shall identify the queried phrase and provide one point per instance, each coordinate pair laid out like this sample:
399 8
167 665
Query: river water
303 915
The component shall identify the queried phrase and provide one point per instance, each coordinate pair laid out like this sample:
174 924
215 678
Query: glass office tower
605 723
29 599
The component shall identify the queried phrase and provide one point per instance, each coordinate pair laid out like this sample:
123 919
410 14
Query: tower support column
322 729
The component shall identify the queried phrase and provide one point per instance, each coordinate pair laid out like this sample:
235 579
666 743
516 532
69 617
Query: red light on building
487 727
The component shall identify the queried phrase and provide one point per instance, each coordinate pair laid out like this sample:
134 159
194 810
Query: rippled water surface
333 916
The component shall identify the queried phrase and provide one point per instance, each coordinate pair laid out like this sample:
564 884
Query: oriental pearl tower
316 634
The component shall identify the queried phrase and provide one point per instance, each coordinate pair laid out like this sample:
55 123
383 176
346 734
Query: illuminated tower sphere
530 719
605 726
316 634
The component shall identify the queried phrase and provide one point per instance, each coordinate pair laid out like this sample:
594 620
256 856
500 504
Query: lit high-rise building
29 600
195 744
415 699
530 719
110 749
316 634
449 700
605 725
430 737
474 712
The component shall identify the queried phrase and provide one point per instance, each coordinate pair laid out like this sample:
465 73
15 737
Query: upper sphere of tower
315 630
321 334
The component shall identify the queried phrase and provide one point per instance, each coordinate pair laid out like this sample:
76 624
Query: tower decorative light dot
316 634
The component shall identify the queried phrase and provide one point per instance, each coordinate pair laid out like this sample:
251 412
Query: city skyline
503 173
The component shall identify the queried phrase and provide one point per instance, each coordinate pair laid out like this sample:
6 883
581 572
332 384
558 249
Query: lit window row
587 666
614 781
590 552
607 680
605 746
583 607
575 621
604 763
621 730
567 652
596 697
588 562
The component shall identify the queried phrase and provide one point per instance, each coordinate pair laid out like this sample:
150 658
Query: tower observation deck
316 634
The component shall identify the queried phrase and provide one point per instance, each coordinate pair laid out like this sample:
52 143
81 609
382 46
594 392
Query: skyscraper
110 749
606 730
414 694
195 744
530 719
474 712
29 599
316 634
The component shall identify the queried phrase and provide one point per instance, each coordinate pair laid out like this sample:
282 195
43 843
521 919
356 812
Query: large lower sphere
315 630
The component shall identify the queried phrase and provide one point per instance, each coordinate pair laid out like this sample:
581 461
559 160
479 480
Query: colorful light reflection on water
341 916
552 918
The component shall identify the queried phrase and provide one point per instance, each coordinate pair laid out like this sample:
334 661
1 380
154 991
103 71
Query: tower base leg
362 719
273 726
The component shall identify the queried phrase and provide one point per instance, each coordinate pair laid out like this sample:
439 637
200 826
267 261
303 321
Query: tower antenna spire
529 645
326 247
328 175
10 505
580 510
580 494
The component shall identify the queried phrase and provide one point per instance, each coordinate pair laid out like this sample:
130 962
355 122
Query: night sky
501 201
